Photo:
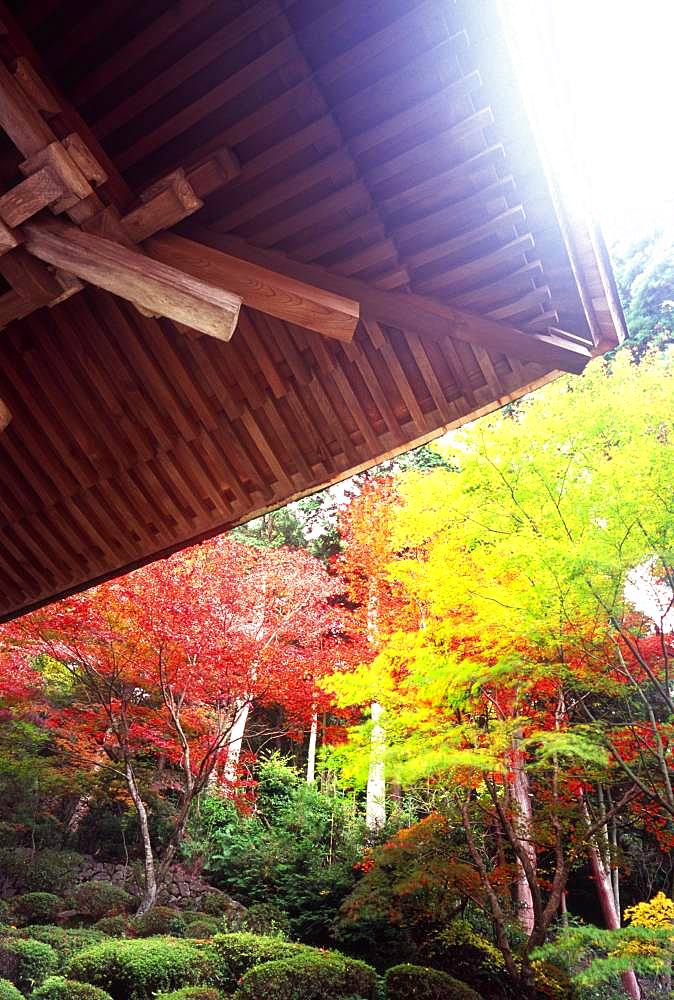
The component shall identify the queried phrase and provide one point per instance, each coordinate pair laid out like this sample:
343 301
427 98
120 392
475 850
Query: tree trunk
236 735
601 874
521 797
311 756
375 806
149 897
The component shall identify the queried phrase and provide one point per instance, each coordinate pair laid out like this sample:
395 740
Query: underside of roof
377 152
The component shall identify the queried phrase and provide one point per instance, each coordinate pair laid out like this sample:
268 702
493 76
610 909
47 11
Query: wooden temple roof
338 234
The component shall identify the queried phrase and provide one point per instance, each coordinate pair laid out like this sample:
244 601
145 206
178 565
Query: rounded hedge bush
37 907
314 975
66 941
265 918
58 988
204 928
101 899
117 926
25 962
404 982
159 920
8 991
136 970
239 952
215 904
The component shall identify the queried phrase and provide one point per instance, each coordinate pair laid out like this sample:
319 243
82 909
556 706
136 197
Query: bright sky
615 63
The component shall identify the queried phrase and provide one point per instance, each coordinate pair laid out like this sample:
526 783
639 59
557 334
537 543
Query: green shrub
190 993
66 941
8 991
204 928
136 970
102 899
58 988
26 963
314 975
37 907
237 953
115 926
265 918
6 915
215 904
159 920
404 982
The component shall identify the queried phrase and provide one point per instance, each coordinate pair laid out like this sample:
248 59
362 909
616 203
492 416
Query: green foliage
136 970
115 926
204 928
296 852
159 920
460 950
37 907
645 276
6 915
26 963
191 993
8 991
404 982
215 905
594 957
39 871
266 918
313 975
237 953
66 941
58 988
279 527
32 778
411 887
99 899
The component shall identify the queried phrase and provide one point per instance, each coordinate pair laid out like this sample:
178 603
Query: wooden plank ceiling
352 165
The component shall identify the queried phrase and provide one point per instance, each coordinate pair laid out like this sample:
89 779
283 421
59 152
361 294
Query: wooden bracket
83 158
165 203
42 188
8 239
57 159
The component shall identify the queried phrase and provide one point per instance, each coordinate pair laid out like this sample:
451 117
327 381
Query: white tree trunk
236 735
311 756
521 796
375 805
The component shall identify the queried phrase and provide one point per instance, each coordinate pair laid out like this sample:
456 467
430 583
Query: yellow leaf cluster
657 912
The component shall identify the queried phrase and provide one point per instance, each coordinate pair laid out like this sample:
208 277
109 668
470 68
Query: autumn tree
521 559
381 606
164 663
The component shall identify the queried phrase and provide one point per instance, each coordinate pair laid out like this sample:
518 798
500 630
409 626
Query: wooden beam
131 275
18 118
308 304
30 196
414 313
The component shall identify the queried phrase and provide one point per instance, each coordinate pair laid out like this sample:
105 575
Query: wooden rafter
306 303
366 149
416 313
